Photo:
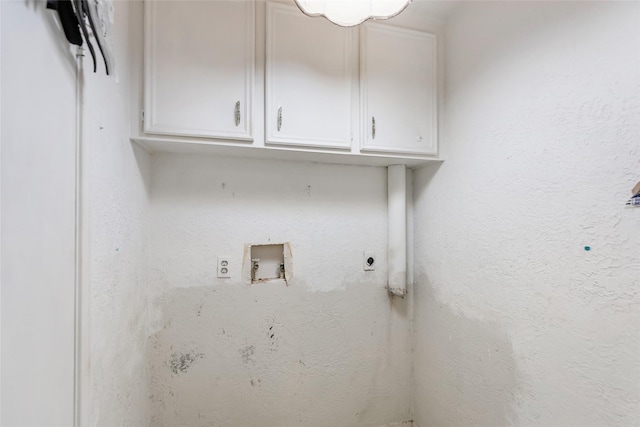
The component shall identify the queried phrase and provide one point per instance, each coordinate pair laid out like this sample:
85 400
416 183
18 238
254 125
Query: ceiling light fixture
347 13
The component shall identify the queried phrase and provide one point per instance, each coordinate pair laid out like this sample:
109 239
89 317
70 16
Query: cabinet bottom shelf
166 145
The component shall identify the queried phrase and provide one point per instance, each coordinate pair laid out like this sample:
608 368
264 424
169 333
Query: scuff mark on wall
272 339
180 362
247 354
199 308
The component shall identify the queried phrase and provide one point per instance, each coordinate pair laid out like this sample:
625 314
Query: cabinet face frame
273 136
245 131
365 114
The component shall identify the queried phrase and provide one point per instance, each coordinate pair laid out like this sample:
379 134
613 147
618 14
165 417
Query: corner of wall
119 188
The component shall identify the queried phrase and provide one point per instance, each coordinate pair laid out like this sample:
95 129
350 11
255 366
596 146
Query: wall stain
247 353
255 354
468 363
180 362
272 340
199 308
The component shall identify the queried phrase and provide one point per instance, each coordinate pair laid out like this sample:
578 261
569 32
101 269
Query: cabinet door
398 90
309 88
199 66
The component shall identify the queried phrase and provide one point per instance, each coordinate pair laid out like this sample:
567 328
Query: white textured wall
331 349
516 323
38 155
117 175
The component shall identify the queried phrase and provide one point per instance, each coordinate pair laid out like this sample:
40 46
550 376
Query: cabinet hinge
142 116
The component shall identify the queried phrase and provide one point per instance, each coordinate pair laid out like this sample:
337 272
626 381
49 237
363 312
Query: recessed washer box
271 262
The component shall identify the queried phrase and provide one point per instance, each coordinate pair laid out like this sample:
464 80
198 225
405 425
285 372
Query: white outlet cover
224 267
366 264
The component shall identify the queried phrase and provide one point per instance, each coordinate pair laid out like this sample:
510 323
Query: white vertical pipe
409 198
78 291
0 214
397 226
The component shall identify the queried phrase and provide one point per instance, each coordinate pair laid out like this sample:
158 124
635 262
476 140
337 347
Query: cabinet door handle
237 113
373 127
279 119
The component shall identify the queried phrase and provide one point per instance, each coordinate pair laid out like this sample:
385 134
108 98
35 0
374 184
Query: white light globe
348 13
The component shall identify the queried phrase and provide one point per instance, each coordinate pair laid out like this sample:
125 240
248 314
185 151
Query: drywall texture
38 163
527 304
332 348
117 179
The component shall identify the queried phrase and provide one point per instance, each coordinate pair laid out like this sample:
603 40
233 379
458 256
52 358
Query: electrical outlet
224 267
369 261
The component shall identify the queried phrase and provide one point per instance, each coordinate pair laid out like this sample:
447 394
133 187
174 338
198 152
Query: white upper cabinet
310 67
398 90
199 60
361 95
